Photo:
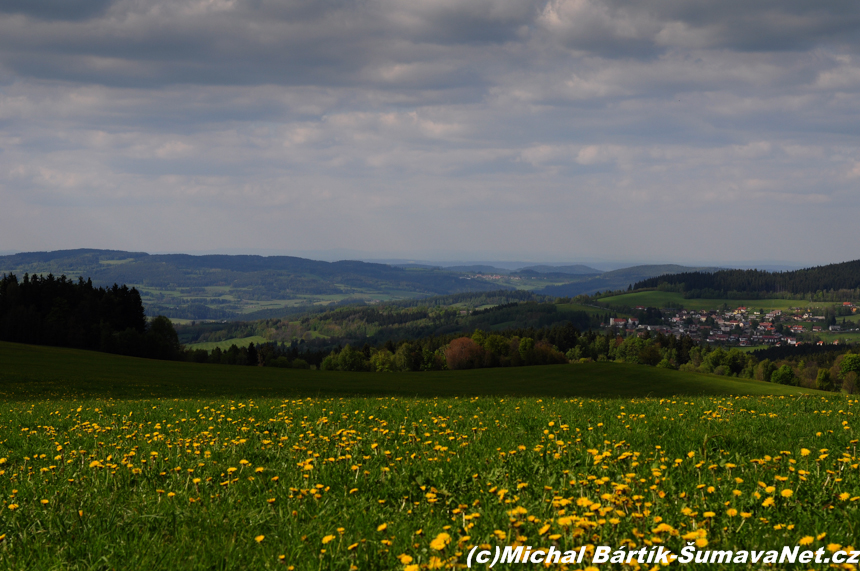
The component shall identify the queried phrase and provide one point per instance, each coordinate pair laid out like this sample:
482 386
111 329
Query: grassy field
225 344
118 463
665 298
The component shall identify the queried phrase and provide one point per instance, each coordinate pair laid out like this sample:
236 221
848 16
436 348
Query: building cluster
743 326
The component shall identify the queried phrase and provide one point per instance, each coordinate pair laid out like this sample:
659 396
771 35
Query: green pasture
109 462
44 370
226 343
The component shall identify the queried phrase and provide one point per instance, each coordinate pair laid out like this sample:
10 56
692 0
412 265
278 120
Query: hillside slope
617 279
29 371
220 286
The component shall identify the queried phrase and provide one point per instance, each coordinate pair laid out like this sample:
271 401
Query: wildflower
327 538
441 541
259 538
405 559
806 540
732 512
382 527
786 493
804 452
767 502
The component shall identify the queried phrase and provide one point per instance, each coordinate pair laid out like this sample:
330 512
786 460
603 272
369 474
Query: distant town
744 326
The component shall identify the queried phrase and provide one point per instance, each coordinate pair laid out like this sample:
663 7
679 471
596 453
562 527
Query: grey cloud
56 9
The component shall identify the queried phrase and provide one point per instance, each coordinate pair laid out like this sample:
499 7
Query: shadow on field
28 371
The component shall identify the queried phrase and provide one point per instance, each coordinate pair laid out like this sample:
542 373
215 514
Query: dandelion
806 540
441 541
732 512
786 493
382 527
405 559
805 452
327 539
259 538
767 502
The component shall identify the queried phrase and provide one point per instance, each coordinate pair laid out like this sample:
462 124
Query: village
743 326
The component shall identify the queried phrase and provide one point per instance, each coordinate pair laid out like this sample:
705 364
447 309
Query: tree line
843 277
46 310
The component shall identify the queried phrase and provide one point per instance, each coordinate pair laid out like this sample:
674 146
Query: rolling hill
30 371
617 279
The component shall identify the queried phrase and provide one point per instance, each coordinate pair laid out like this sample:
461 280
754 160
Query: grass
226 343
665 298
109 462
44 371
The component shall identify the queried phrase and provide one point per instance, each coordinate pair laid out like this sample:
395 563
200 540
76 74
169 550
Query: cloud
508 125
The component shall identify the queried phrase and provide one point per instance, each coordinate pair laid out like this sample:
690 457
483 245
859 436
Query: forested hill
616 279
833 277
275 275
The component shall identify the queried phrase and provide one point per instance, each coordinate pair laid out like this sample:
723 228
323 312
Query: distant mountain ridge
831 277
184 286
617 279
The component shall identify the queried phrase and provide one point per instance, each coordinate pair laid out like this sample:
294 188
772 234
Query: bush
784 376
824 381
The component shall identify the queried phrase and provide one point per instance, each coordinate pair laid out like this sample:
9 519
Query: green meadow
110 462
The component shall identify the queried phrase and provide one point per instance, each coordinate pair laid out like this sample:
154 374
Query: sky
689 131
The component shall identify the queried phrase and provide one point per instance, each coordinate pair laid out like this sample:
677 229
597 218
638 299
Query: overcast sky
568 130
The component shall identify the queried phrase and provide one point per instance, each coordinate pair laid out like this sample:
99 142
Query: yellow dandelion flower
382 527
259 538
708 514
831 547
804 452
411 568
767 502
806 540
327 538
701 542
351 547
44 502
543 530
405 559
786 493
732 512
440 542
746 515
844 496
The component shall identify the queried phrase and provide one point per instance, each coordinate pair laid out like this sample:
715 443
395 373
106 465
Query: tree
850 364
784 376
253 359
824 382
161 339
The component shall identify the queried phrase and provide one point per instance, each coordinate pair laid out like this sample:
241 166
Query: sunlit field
400 483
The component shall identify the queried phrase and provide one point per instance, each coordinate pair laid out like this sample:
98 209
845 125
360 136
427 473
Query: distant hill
617 279
222 286
577 269
832 277
478 269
